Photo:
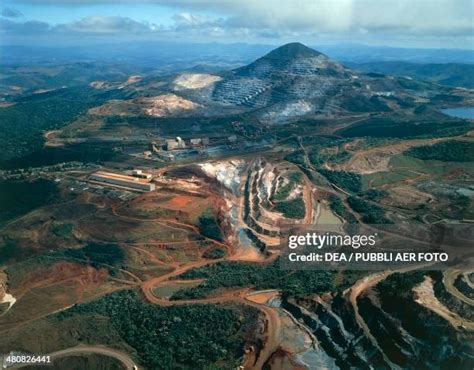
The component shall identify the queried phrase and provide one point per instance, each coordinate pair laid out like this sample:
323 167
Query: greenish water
168 289
463 112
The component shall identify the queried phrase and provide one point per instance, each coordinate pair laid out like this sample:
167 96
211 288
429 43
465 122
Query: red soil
61 272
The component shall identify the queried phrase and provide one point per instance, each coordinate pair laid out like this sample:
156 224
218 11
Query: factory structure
173 144
179 143
141 175
138 181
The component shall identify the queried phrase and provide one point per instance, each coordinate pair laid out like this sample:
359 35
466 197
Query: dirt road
272 329
79 350
272 323
173 224
425 296
272 320
449 277
354 292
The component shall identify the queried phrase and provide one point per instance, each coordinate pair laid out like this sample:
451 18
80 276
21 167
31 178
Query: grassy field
395 126
403 167
49 335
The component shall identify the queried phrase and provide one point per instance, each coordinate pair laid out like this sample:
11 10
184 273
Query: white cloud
412 16
343 16
104 25
11 13
188 19
23 28
449 21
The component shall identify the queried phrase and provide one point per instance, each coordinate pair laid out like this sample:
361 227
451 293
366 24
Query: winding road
354 292
272 323
82 350
449 277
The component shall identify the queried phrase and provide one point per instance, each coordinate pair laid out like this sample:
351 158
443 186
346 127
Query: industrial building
200 141
141 175
195 142
131 182
172 144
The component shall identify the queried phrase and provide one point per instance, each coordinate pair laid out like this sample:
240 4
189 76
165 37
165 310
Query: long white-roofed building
126 181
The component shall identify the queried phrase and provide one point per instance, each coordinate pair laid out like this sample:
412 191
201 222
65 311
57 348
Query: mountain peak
292 50
293 59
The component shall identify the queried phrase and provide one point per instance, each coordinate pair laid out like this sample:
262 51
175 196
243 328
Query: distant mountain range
449 74
170 55
289 82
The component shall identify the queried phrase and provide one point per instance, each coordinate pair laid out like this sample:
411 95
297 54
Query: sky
401 23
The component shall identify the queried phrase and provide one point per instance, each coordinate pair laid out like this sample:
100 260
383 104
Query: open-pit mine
146 230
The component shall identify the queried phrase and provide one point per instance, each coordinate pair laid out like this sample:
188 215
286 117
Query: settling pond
462 112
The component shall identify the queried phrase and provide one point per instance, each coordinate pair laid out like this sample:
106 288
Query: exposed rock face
294 80
226 172
397 332
282 111
3 288
6 300
337 332
156 106
104 85
164 105
291 72
293 59
194 81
